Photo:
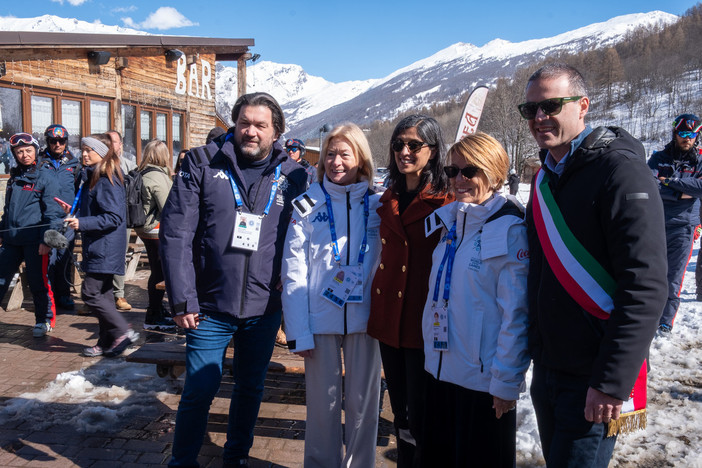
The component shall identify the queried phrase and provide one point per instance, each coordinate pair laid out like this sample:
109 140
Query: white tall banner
471 113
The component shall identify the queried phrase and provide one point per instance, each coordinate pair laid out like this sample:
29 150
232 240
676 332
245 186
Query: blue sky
352 40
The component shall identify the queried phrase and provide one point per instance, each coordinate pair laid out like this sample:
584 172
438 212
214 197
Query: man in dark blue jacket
222 233
678 170
57 160
29 211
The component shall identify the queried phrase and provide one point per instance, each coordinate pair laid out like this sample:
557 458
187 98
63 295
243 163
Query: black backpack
133 183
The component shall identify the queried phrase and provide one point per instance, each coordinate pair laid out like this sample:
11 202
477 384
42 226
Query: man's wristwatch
666 181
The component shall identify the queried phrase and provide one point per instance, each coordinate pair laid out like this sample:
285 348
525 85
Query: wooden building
144 86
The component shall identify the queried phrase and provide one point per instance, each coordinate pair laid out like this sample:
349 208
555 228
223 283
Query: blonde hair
155 153
485 152
355 137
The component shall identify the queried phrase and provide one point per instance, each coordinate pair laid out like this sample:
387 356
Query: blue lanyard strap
332 227
76 201
237 196
447 261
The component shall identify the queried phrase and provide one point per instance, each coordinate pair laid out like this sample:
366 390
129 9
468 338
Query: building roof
24 45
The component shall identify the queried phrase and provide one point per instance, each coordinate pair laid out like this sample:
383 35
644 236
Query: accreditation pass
247 231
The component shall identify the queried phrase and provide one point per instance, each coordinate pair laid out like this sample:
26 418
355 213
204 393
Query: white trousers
360 395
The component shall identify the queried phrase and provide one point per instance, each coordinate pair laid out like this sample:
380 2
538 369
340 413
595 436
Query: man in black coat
596 278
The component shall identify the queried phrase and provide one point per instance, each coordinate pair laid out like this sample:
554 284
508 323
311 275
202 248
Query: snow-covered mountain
435 79
51 23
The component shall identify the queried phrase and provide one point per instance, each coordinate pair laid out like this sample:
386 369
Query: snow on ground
100 398
104 396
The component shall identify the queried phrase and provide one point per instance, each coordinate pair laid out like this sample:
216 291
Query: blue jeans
254 338
567 438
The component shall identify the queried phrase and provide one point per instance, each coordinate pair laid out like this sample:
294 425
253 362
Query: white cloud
124 9
163 18
72 2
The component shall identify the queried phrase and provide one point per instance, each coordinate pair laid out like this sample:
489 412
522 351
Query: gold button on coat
383 240
377 291
382 267
399 293
404 268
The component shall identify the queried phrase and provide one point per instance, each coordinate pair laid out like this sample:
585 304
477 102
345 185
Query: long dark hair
433 175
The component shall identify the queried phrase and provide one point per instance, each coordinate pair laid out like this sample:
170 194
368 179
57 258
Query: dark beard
261 153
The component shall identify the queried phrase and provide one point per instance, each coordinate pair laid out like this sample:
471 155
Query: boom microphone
55 239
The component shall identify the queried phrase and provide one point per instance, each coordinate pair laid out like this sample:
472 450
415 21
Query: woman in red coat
418 186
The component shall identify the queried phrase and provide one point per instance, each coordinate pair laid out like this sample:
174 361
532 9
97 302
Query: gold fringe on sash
627 423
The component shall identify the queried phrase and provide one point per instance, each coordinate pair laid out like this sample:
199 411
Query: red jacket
400 285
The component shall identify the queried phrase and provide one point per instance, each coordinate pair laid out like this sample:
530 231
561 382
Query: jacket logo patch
184 175
28 187
220 175
522 254
321 217
475 263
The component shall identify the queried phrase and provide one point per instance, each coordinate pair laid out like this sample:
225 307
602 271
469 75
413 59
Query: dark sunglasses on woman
468 172
412 145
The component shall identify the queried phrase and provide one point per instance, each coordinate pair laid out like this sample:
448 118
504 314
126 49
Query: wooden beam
241 76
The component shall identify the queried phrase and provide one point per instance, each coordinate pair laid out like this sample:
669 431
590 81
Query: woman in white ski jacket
475 328
332 243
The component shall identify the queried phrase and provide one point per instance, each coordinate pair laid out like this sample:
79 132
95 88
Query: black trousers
406 380
97 294
155 295
461 429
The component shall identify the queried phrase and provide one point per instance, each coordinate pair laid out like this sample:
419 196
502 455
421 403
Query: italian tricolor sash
587 282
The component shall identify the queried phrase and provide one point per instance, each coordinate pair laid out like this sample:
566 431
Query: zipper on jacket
348 249
248 256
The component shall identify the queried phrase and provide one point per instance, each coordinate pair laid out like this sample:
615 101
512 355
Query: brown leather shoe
122 304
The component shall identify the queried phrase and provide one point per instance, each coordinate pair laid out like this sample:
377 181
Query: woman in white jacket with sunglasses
475 319
331 252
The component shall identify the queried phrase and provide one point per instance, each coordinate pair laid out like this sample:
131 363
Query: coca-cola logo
522 254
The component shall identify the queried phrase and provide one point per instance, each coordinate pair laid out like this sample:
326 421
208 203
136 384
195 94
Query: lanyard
447 260
237 196
76 201
332 227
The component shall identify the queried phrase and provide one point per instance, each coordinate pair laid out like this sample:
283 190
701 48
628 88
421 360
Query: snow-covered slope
51 23
451 71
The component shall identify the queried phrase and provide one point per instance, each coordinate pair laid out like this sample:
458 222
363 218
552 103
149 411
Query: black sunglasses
292 149
551 106
468 172
412 145
53 141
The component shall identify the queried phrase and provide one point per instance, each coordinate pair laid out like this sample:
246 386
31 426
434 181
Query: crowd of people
443 282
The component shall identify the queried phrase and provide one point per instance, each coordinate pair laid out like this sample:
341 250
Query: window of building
161 127
42 109
146 127
129 129
10 123
99 116
177 132
71 118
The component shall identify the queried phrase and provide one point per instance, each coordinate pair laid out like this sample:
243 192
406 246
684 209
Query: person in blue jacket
29 211
678 170
222 233
101 222
58 161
